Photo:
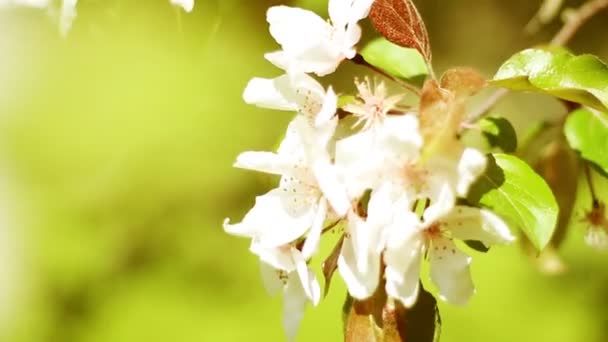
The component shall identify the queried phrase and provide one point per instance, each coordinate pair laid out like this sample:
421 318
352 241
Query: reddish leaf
463 81
331 263
399 22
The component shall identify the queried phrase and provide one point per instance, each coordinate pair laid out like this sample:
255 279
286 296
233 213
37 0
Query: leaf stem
590 183
573 23
358 59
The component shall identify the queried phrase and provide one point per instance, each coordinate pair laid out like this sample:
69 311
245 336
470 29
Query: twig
358 59
590 183
485 107
574 22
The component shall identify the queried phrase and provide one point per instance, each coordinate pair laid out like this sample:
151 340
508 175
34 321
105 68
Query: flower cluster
372 169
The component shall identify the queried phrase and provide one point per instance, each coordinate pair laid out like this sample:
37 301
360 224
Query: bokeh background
116 145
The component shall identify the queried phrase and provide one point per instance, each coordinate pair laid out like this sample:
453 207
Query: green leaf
582 79
396 60
499 132
514 191
587 133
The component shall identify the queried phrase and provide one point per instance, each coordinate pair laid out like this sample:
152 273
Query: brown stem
574 22
487 105
577 19
358 59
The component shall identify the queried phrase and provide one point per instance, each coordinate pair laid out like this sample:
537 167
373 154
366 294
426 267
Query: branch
573 23
575 20
358 59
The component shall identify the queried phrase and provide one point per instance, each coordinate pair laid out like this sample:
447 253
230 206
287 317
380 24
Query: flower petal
266 162
441 207
468 223
274 93
403 254
277 218
294 303
279 258
450 271
308 279
328 108
332 187
359 260
311 245
296 29
471 165
270 278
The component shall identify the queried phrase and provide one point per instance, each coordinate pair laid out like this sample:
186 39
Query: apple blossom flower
409 239
359 262
311 44
393 153
285 268
307 191
293 92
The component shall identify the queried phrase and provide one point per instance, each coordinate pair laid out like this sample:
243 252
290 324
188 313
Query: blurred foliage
117 144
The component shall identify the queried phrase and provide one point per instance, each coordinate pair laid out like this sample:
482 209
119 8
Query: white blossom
391 153
307 185
285 268
311 44
411 238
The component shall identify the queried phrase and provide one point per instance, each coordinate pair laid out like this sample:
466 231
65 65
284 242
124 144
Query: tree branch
575 20
573 23
358 59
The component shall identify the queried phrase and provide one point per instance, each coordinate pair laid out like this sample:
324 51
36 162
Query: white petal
187 5
270 278
359 162
271 93
328 108
294 303
281 60
322 58
339 12
296 29
450 272
311 245
360 9
351 37
332 187
468 223
308 279
404 249
277 218
278 257
266 162
343 12
359 260
472 164
442 206
403 272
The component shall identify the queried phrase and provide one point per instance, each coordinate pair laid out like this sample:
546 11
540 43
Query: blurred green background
116 150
